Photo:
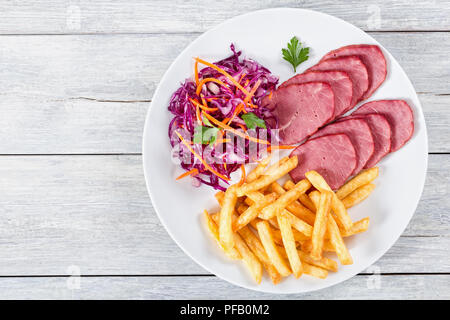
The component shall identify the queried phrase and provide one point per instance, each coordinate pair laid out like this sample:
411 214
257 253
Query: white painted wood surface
76 78
161 16
89 94
93 211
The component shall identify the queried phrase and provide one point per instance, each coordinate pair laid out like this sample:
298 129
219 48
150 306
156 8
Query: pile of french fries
288 229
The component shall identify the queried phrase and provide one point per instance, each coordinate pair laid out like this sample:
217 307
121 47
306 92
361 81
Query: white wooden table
76 79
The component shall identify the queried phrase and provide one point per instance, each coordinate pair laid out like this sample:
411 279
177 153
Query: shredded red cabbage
227 157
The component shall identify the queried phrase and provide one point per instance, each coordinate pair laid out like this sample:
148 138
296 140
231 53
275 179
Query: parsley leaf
295 54
252 121
205 135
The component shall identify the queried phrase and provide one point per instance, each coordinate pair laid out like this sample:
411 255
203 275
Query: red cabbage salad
220 122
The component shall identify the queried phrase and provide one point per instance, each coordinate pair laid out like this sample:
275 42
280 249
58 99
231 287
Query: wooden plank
94 212
41 125
90 94
38 125
129 67
178 16
358 287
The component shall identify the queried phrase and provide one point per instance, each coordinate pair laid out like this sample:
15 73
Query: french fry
271 169
252 212
314 196
271 250
266 179
254 196
274 230
214 231
296 207
335 238
284 200
274 223
215 217
307 246
290 246
320 224
226 213
242 250
358 227
259 169
256 246
284 230
336 205
241 208
338 243
276 234
314 271
303 199
254 222
299 237
358 195
363 178
324 262
250 260
297 223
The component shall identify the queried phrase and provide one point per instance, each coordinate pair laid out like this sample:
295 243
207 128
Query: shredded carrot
196 73
252 92
222 141
207 166
197 113
205 104
242 76
192 172
242 176
226 74
226 120
236 132
270 94
200 85
242 127
198 104
236 112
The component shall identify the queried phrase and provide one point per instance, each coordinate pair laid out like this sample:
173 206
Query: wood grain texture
77 77
90 94
359 287
104 16
94 212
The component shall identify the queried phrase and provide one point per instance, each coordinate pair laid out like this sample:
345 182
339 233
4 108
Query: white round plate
261 35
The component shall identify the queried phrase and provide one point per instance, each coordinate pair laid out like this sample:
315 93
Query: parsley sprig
294 53
205 134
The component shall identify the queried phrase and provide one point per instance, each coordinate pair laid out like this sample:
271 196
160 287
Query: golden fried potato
363 178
